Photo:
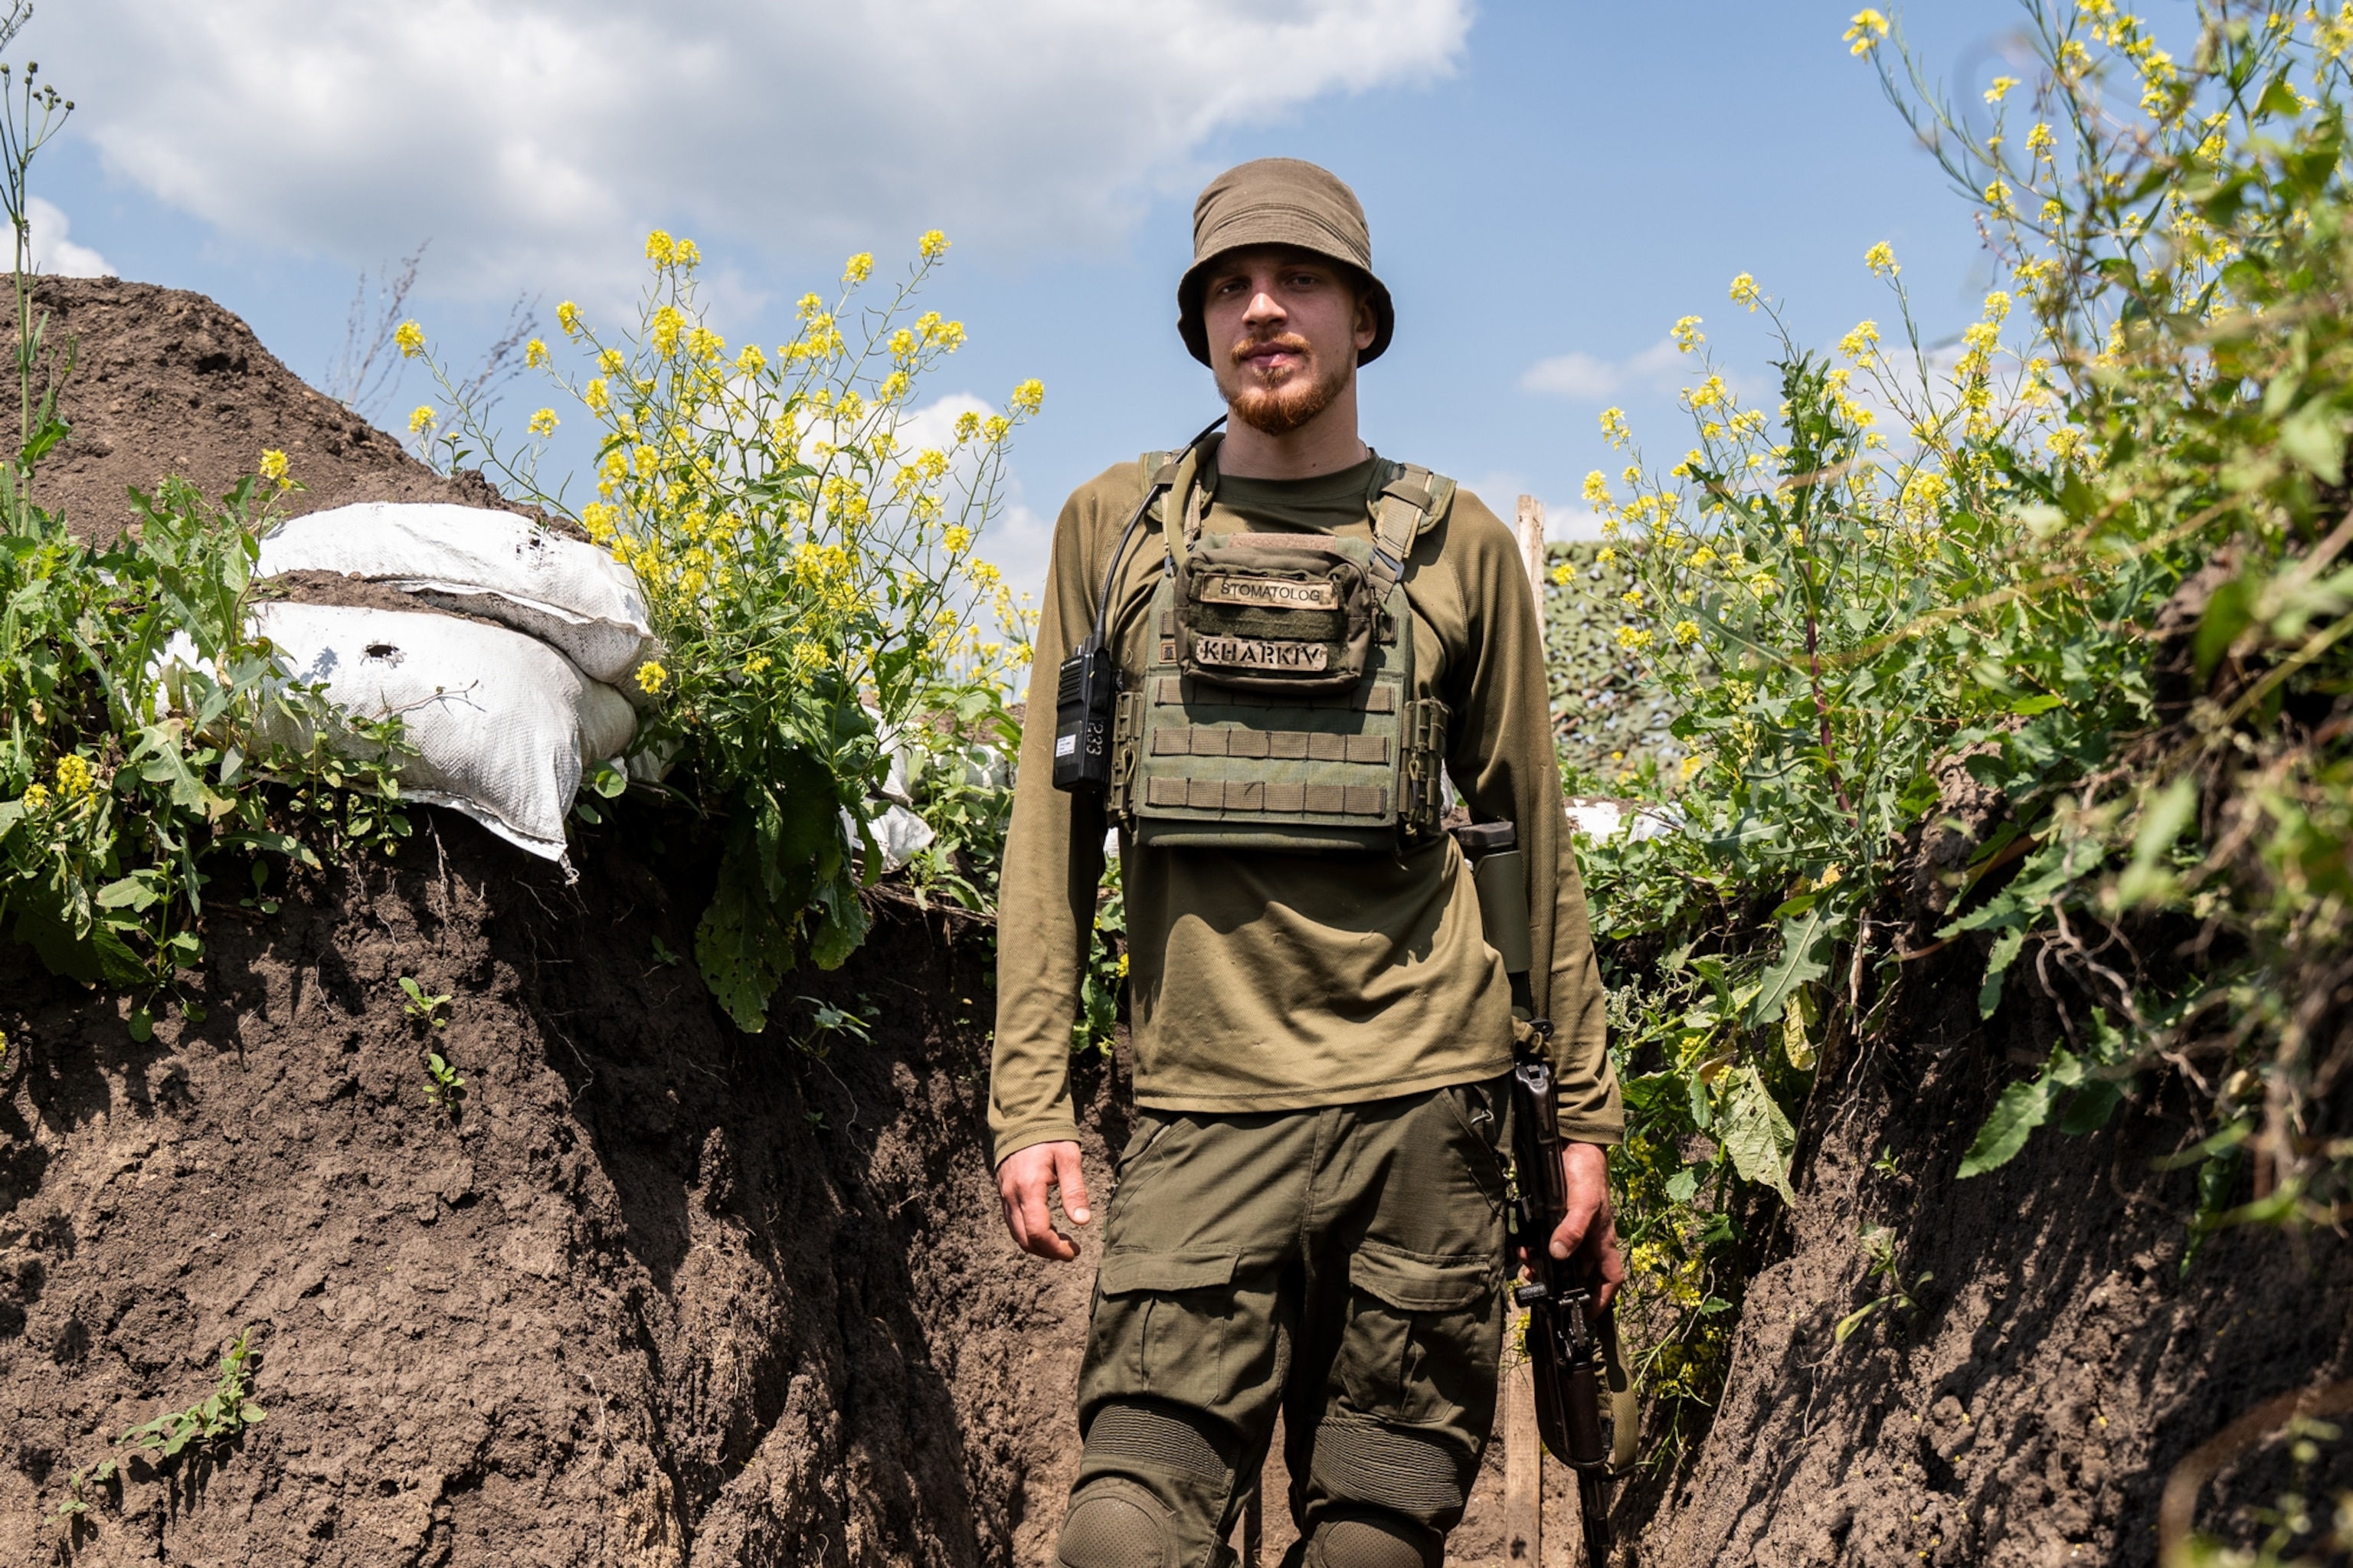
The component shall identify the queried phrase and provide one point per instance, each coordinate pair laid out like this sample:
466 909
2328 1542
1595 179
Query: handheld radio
1087 686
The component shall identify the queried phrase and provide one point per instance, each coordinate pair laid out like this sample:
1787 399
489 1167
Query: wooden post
1523 1461
1532 551
1522 1447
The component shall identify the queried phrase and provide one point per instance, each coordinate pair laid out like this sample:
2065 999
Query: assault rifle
1572 1345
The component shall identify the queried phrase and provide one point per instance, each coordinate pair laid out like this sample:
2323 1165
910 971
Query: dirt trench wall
168 382
2060 1362
664 1294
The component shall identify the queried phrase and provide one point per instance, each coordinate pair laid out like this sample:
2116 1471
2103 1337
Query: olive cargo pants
1343 1265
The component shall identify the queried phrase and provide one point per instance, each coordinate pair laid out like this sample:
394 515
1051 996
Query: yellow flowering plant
139 781
2088 562
1778 575
806 535
2180 232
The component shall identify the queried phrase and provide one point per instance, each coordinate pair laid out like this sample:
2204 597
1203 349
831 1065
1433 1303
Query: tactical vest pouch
1275 612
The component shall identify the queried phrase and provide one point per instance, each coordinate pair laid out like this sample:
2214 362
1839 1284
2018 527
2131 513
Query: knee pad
1156 1433
1375 1541
1396 1475
1115 1523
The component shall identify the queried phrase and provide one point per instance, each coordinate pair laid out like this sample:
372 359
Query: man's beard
1282 408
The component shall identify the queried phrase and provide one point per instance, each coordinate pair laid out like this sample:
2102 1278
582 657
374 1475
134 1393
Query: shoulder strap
1410 501
1160 471
1154 465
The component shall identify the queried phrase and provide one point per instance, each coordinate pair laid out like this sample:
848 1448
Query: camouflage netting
1612 716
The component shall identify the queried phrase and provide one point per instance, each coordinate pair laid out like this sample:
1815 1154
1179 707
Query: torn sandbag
502 723
570 595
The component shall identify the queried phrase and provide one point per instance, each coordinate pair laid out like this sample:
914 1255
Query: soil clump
168 382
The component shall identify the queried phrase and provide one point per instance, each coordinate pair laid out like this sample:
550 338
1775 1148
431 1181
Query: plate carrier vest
1278 708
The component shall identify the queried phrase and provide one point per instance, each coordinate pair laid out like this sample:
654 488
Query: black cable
1119 551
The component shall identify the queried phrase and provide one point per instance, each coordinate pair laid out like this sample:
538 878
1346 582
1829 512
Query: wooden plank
1532 550
1523 1458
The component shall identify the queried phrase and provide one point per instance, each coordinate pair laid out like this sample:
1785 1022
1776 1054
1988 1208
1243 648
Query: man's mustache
1289 342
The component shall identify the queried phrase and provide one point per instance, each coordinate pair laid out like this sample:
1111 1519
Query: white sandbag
503 725
1602 819
498 564
898 833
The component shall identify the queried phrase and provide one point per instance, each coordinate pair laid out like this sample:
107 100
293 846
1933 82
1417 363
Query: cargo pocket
1162 1322
1423 1335
1479 1112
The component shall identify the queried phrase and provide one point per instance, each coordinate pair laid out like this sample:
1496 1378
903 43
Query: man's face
1284 328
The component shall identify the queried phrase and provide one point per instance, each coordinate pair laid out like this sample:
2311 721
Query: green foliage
1612 720
963 787
443 1087
1097 1028
1879 1243
146 734
211 1425
143 721
2191 270
2089 570
829 1025
77 1502
422 1006
809 569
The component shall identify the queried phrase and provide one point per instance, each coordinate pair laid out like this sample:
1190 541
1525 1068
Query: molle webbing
1280 745
1169 690
1250 797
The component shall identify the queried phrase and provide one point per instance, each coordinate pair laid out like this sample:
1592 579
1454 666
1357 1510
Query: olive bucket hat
1280 201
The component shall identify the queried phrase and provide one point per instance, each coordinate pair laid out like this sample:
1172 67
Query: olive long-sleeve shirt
1272 981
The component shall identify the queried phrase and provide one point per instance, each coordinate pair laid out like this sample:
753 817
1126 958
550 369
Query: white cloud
53 253
1583 377
536 140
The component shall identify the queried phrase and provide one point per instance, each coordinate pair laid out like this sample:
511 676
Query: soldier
1310 1214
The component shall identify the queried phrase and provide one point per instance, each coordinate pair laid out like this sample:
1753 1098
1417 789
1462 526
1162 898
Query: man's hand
1022 1181
1587 1225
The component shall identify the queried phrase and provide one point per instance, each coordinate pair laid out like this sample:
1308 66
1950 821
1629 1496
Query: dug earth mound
653 1292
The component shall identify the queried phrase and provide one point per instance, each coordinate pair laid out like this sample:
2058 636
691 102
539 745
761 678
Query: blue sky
1544 180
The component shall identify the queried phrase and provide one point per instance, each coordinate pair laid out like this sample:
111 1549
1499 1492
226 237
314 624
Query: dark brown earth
2061 1359
2058 1364
661 1293
167 382
658 1293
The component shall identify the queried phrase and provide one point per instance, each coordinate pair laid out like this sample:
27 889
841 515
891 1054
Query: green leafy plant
810 571
829 1024
150 733
1096 1029
443 1087
1613 721
208 1426
77 1502
2087 568
423 1006
2190 269
963 789
1879 1243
